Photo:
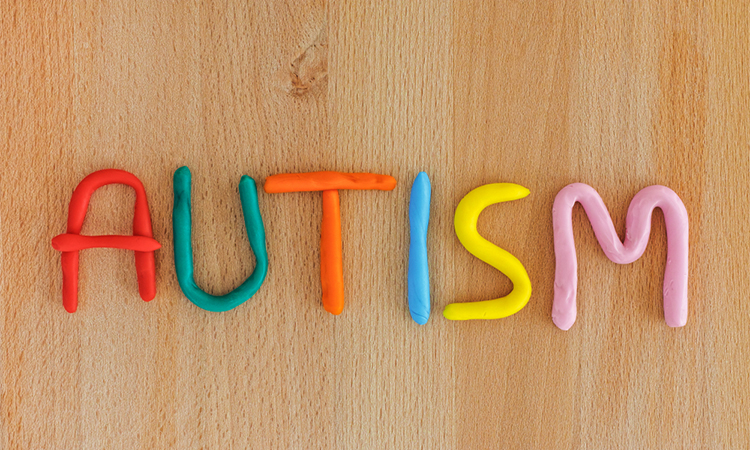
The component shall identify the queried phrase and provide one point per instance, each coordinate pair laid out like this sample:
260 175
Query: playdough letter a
142 241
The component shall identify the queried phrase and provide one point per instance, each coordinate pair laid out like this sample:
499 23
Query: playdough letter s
465 222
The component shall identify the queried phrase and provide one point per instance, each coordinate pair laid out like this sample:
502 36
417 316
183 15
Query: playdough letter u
465 222
637 230
183 247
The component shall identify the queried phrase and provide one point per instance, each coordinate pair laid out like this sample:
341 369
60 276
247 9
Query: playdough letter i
142 241
465 222
331 268
419 272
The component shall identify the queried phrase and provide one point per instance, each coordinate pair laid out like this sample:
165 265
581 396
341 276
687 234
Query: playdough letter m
637 230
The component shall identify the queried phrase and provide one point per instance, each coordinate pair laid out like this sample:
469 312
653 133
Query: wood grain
619 95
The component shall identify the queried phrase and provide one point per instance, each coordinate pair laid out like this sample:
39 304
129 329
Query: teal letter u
183 248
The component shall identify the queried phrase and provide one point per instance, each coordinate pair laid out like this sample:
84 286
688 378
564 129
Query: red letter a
142 241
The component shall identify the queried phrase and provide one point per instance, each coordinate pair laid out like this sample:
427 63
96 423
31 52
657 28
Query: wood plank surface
617 94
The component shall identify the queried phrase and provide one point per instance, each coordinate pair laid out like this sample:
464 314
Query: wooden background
617 94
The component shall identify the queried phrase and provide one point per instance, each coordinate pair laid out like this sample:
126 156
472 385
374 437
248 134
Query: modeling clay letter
331 262
183 246
465 222
142 241
331 271
419 271
637 230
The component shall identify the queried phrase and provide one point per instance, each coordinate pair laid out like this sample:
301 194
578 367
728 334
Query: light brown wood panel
619 95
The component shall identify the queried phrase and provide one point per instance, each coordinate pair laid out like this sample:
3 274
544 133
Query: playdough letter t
331 268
